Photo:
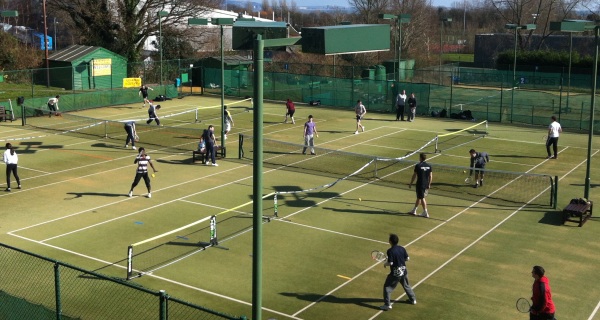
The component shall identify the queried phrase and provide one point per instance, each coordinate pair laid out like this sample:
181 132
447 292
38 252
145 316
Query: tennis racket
468 180
378 255
523 305
136 138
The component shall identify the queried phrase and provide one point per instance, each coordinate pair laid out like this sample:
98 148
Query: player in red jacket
543 306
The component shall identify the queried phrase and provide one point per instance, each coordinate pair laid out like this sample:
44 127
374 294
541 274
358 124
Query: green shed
236 71
84 67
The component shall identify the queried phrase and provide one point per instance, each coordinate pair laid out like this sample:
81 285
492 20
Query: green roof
76 52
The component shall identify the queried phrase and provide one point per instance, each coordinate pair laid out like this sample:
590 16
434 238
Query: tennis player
424 176
131 133
228 122
53 106
142 160
208 135
152 114
11 159
144 93
478 161
542 305
290 109
310 130
397 257
554 130
360 111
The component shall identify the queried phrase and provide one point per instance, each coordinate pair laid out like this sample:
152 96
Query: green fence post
555 191
581 116
57 291
23 121
162 305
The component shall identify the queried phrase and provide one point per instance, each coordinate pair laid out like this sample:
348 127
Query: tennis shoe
7 190
134 148
425 215
215 164
363 128
149 195
414 213
313 153
207 163
130 194
356 132
385 307
19 187
126 146
411 301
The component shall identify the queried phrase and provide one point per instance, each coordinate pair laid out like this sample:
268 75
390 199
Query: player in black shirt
424 177
478 161
144 93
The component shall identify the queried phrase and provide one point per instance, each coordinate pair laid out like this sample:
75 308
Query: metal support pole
399 46
222 95
514 82
569 76
160 49
257 185
592 107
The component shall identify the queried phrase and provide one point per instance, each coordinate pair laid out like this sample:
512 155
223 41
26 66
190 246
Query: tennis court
470 260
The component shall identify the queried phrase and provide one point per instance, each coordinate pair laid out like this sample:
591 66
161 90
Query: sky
344 3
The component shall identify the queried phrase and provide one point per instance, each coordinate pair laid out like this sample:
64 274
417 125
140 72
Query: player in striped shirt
142 160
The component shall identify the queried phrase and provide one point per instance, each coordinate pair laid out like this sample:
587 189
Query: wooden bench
578 212
201 155
5 114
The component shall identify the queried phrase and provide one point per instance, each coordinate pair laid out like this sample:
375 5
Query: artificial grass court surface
470 260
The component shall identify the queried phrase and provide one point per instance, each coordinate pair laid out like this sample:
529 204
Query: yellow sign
132 82
101 67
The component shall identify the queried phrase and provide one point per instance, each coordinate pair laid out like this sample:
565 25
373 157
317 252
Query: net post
275 211
555 193
196 115
105 129
240 147
437 138
213 231
129 262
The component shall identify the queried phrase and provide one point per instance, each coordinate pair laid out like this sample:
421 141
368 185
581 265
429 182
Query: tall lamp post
570 26
399 19
160 42
592 107
442 20
516 27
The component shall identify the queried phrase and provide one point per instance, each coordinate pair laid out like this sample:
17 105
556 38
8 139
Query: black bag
20 100
315 102
443 113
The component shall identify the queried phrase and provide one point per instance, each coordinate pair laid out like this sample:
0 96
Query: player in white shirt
554 130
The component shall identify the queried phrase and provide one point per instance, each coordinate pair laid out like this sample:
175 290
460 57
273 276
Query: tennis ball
153 175
464 171
359 199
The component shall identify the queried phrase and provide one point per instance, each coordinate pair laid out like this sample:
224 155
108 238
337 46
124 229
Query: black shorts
479 168
290 113
358 118
421 192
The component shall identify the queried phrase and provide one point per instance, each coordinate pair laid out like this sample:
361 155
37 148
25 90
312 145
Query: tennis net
461 137
504 188
149 255
169 138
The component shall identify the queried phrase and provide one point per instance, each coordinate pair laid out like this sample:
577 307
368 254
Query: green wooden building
236 71
84 67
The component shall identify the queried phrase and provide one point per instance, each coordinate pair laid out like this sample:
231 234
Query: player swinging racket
144 93
152 114
478 161
142 160
131 134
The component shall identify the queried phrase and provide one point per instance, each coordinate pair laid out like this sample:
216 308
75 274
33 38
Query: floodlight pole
592 107
257 185
222 93
514 82
46 44
441 45
160 42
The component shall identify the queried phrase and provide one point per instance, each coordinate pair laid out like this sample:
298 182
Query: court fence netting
64 291
502 188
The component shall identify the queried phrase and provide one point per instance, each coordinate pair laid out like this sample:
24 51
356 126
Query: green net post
163 305
555 193
240 147
23 118
57 291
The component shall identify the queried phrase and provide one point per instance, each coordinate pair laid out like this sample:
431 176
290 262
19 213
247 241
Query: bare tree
123 26
368 10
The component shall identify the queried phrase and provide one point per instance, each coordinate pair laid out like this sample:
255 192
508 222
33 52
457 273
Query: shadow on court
100 194
312 297
554 218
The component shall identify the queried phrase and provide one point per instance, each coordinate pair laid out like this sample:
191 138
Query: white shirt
554 129
10 158
401 99
53 102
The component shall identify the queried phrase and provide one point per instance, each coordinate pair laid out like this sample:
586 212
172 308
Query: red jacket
542 297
